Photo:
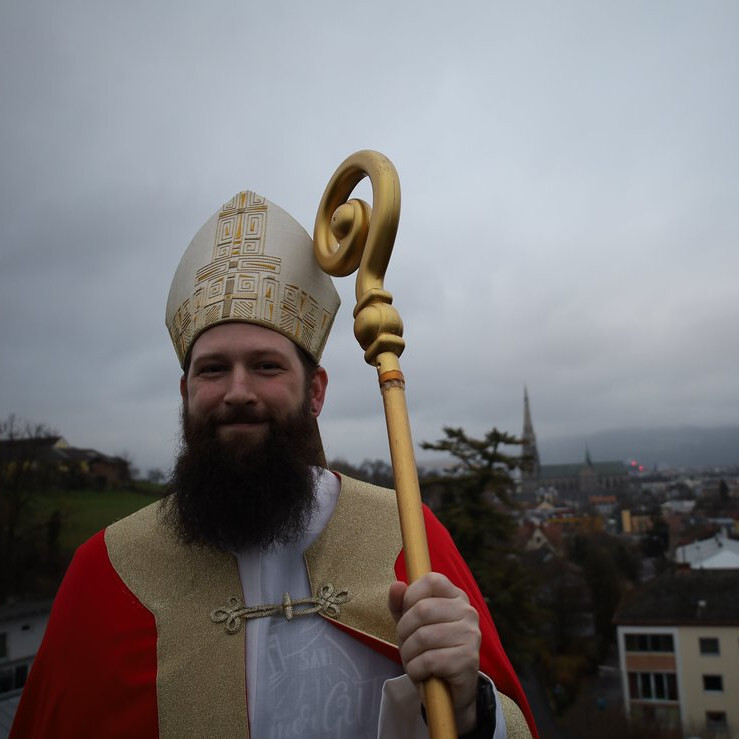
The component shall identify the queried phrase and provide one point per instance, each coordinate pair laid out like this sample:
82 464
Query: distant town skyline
569 221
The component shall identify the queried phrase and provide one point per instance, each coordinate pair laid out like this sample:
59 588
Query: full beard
240 492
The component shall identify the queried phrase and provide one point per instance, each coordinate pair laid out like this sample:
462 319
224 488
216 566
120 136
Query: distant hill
687 446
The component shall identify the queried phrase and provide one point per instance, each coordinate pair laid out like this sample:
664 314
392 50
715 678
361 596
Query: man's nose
240 389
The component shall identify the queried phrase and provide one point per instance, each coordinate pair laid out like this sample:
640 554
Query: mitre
252 262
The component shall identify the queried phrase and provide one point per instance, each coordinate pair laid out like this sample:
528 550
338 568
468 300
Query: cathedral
576 482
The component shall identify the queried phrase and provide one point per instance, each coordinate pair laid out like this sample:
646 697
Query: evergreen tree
610 568
475 495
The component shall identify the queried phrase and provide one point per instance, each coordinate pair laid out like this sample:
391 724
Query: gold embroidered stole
357 552
201 682
201 686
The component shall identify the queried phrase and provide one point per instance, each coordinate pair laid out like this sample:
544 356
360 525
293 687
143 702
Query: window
20 675
645 685
716 721
13 676
6 680
665 686
649 643
656 686
709 645
713 683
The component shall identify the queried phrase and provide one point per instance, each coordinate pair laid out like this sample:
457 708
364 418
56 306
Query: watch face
485 709
485 695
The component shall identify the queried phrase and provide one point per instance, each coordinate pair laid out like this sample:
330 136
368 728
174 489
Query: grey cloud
570 212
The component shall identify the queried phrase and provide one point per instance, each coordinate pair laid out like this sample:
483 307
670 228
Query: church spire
529 450
528 426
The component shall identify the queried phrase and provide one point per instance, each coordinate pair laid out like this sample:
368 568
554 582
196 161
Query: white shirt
305 677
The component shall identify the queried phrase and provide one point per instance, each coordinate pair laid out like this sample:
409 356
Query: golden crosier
349 235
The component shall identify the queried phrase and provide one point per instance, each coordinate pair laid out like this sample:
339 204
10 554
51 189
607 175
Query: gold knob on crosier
350 235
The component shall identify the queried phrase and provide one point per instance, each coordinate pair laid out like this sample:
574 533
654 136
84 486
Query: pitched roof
43 448
551 471
718 551
692 597
602 499
23 608
554 471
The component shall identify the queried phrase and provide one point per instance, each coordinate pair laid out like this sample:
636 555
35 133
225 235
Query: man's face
245 473
243 376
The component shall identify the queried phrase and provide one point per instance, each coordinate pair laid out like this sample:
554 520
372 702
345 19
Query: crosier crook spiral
351 236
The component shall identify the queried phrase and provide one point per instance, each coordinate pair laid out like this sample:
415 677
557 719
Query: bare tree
155 476
27 466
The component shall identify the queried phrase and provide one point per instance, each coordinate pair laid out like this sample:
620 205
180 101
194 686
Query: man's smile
232 428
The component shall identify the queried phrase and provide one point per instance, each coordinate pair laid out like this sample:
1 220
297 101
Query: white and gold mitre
251 262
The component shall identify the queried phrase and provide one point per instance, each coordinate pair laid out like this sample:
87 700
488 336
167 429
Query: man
265 596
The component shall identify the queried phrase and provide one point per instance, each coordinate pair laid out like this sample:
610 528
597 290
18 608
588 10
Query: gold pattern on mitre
252 262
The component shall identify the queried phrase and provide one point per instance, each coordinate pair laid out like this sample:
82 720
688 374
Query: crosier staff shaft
350 236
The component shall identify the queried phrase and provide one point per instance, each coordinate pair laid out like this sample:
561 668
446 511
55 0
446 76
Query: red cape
494 662
95 673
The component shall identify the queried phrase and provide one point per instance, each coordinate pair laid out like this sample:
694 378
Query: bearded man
265 596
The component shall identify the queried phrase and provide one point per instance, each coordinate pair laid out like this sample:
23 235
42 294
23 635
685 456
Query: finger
431 585
430 611
395 599
452 664
463 634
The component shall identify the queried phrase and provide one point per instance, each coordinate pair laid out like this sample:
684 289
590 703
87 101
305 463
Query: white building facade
678 643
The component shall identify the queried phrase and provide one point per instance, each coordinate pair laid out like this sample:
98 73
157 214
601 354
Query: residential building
53 461
22 626
604 505
678 643
717 553
635 523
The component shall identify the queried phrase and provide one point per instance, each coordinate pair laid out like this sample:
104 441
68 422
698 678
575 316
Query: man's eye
269 367
212 369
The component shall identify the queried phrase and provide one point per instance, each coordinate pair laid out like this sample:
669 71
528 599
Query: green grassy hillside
50 525
85 512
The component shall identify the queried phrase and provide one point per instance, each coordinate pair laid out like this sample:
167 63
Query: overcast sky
570 217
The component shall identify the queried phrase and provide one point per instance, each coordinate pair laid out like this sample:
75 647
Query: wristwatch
485 709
